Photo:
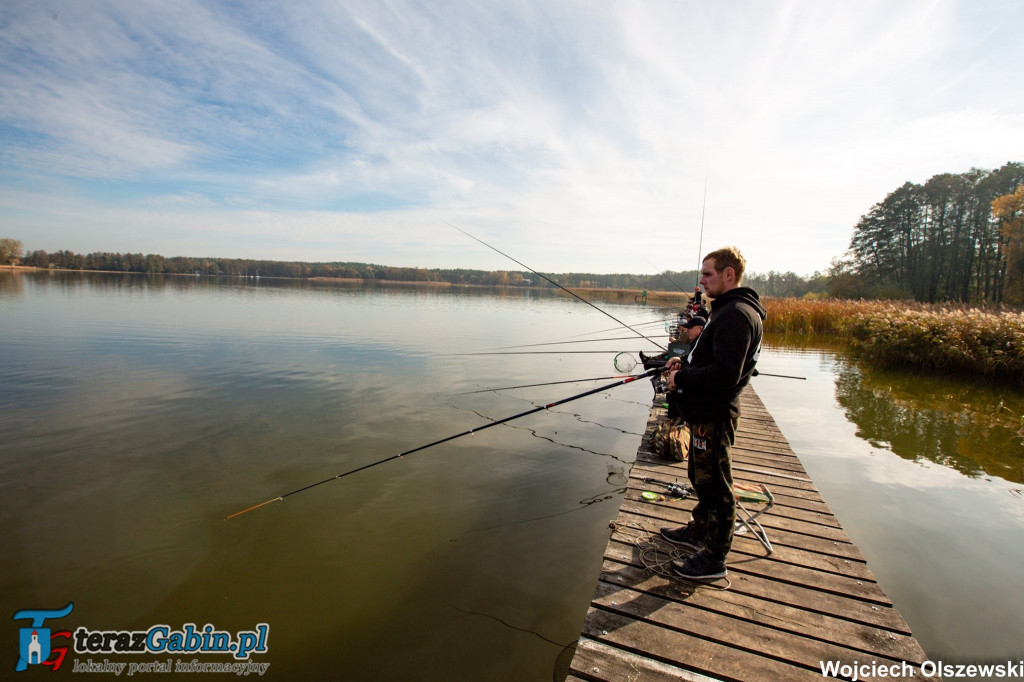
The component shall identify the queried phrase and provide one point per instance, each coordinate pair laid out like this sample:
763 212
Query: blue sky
576 136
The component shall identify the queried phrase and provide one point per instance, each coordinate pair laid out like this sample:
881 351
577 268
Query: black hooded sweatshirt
723 359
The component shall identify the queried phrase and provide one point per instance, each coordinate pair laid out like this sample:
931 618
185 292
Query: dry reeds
948 341
810 316
942 338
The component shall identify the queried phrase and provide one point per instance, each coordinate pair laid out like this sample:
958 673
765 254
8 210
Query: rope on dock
657 557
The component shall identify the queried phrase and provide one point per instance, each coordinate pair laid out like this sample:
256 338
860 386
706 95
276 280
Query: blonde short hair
729 257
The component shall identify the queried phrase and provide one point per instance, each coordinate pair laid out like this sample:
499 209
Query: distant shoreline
382 281
607 294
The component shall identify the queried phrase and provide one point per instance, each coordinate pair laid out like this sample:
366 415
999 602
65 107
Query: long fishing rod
546 383
665 275
564 343
528 352
625 362
469 432
649 323
548 279
700 242
703 206
639 284
759 373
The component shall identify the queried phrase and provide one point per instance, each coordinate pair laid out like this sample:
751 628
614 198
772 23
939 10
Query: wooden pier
811 601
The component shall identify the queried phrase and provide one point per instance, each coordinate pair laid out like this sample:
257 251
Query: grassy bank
934 338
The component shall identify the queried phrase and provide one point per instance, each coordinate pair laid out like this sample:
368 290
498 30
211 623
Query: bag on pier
671 440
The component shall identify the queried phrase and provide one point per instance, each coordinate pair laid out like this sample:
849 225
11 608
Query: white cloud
578 134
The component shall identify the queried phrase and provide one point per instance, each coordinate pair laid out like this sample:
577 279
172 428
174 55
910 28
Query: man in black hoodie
707 386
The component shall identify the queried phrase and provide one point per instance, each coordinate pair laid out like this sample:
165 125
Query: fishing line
646 405
506 624
584 504
546 383
551 440
563 343
532 352
535 410
611 329
548 279
624 362
578 417
703 206
665 275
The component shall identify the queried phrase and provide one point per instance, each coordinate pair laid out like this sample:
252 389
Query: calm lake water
136 413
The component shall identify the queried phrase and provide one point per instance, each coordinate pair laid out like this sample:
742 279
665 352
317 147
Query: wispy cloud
579 134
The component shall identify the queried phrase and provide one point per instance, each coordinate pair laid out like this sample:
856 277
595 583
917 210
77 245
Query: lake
138 412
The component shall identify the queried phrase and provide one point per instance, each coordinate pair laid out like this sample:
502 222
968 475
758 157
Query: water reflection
945 546
974 428
86 280
138 411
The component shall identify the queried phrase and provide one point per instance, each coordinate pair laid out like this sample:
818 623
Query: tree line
957 237
777 284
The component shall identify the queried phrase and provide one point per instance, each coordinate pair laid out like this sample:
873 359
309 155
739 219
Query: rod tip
255 506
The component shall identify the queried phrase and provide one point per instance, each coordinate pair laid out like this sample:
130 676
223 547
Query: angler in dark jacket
708 387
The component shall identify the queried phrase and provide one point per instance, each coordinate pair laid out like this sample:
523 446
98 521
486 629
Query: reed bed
933 338
971 342
811 316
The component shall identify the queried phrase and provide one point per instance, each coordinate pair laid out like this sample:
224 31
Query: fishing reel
675 490
678 490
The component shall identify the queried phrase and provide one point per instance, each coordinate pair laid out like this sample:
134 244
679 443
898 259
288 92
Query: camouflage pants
710 472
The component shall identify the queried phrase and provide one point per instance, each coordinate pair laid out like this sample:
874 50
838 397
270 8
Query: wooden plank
813 600
723 628
838 546
772 593
785 506
751 549
874 641
597 660
701 655
783 574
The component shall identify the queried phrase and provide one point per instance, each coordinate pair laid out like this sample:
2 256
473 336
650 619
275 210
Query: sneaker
699 566
682 536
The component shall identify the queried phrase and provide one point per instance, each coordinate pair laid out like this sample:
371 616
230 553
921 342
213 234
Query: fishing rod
665 275
546 383
563 343
548 279
639 284
703 207
758 373
649 323
625 362
469 432
528 352
700 242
